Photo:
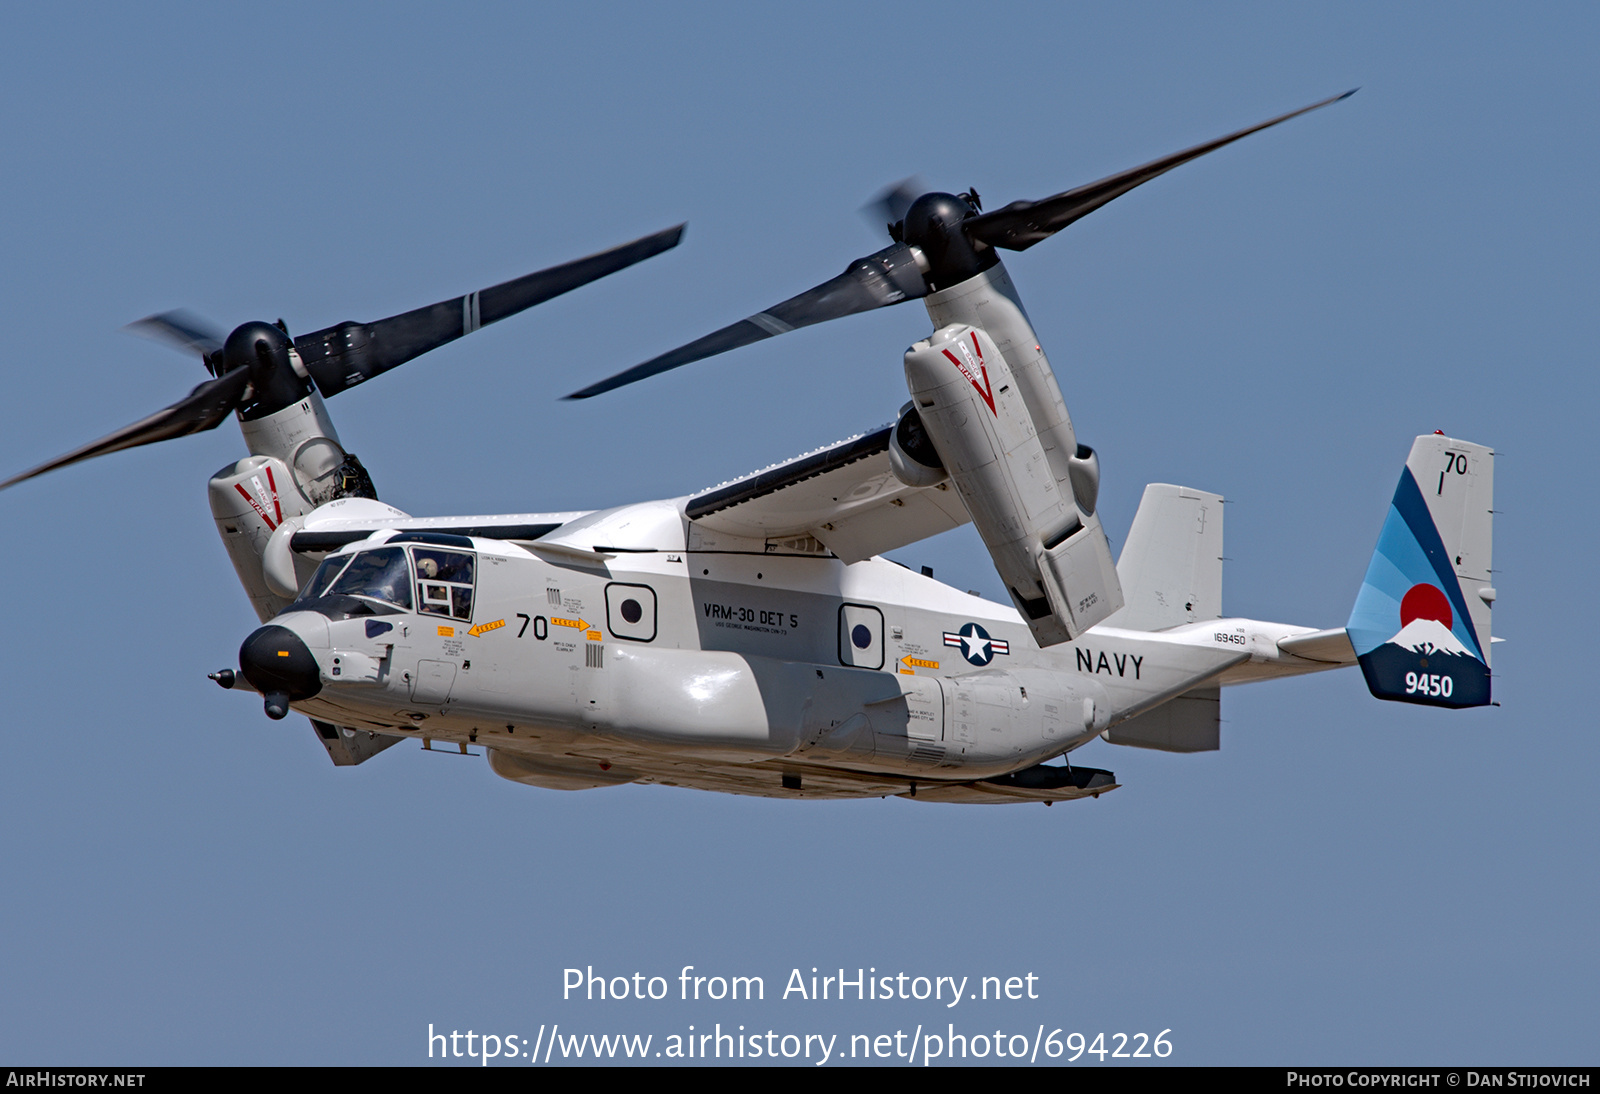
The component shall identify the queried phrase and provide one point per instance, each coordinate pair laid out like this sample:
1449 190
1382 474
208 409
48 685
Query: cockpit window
381 574
444 582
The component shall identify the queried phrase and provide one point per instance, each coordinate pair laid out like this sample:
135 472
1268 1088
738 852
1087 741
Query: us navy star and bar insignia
976 645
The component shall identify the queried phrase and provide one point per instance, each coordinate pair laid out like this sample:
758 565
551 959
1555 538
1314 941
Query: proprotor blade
886 277
343 356
203 408
892 202
182 329
1021 224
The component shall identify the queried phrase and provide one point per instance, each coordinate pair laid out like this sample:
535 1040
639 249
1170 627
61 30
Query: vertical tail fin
1420 625
1171 565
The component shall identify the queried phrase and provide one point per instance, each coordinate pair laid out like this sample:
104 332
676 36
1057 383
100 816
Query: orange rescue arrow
578 624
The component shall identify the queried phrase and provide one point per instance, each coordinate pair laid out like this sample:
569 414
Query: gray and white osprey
751 639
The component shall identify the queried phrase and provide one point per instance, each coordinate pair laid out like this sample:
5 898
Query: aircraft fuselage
619 644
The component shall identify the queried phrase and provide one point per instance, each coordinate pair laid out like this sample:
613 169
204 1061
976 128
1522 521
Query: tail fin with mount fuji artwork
1420 625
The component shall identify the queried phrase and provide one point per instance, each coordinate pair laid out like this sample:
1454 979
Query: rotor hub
264 350
933 226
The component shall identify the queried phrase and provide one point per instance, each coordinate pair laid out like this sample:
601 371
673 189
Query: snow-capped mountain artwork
1427 636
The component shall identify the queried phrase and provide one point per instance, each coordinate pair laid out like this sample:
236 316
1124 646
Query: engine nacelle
250 500
296 465
1084 471
912 456
1047 545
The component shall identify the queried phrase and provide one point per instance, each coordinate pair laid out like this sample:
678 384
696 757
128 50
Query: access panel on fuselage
779 606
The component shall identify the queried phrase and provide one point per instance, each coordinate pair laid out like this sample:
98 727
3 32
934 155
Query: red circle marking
1425 602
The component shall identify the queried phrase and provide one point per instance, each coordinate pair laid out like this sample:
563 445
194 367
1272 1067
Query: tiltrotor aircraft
750 639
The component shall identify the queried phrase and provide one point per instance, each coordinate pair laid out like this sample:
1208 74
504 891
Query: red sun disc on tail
1425 602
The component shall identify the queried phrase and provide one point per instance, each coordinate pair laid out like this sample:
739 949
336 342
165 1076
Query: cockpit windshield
318 585
379 574
443 586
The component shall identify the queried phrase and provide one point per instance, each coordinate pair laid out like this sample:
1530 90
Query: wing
328 529
844 495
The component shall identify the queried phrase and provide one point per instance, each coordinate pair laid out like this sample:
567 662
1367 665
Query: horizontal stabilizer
1331 647
1190 723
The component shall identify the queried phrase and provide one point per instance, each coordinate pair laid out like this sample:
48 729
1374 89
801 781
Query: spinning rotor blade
343 356
1021 224
256 375
941 241
890 206
886 277
203 408
182 329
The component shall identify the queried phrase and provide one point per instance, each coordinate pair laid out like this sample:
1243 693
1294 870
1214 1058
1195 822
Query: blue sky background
1346 881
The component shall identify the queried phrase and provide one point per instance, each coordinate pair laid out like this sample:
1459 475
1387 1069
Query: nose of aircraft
279 665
